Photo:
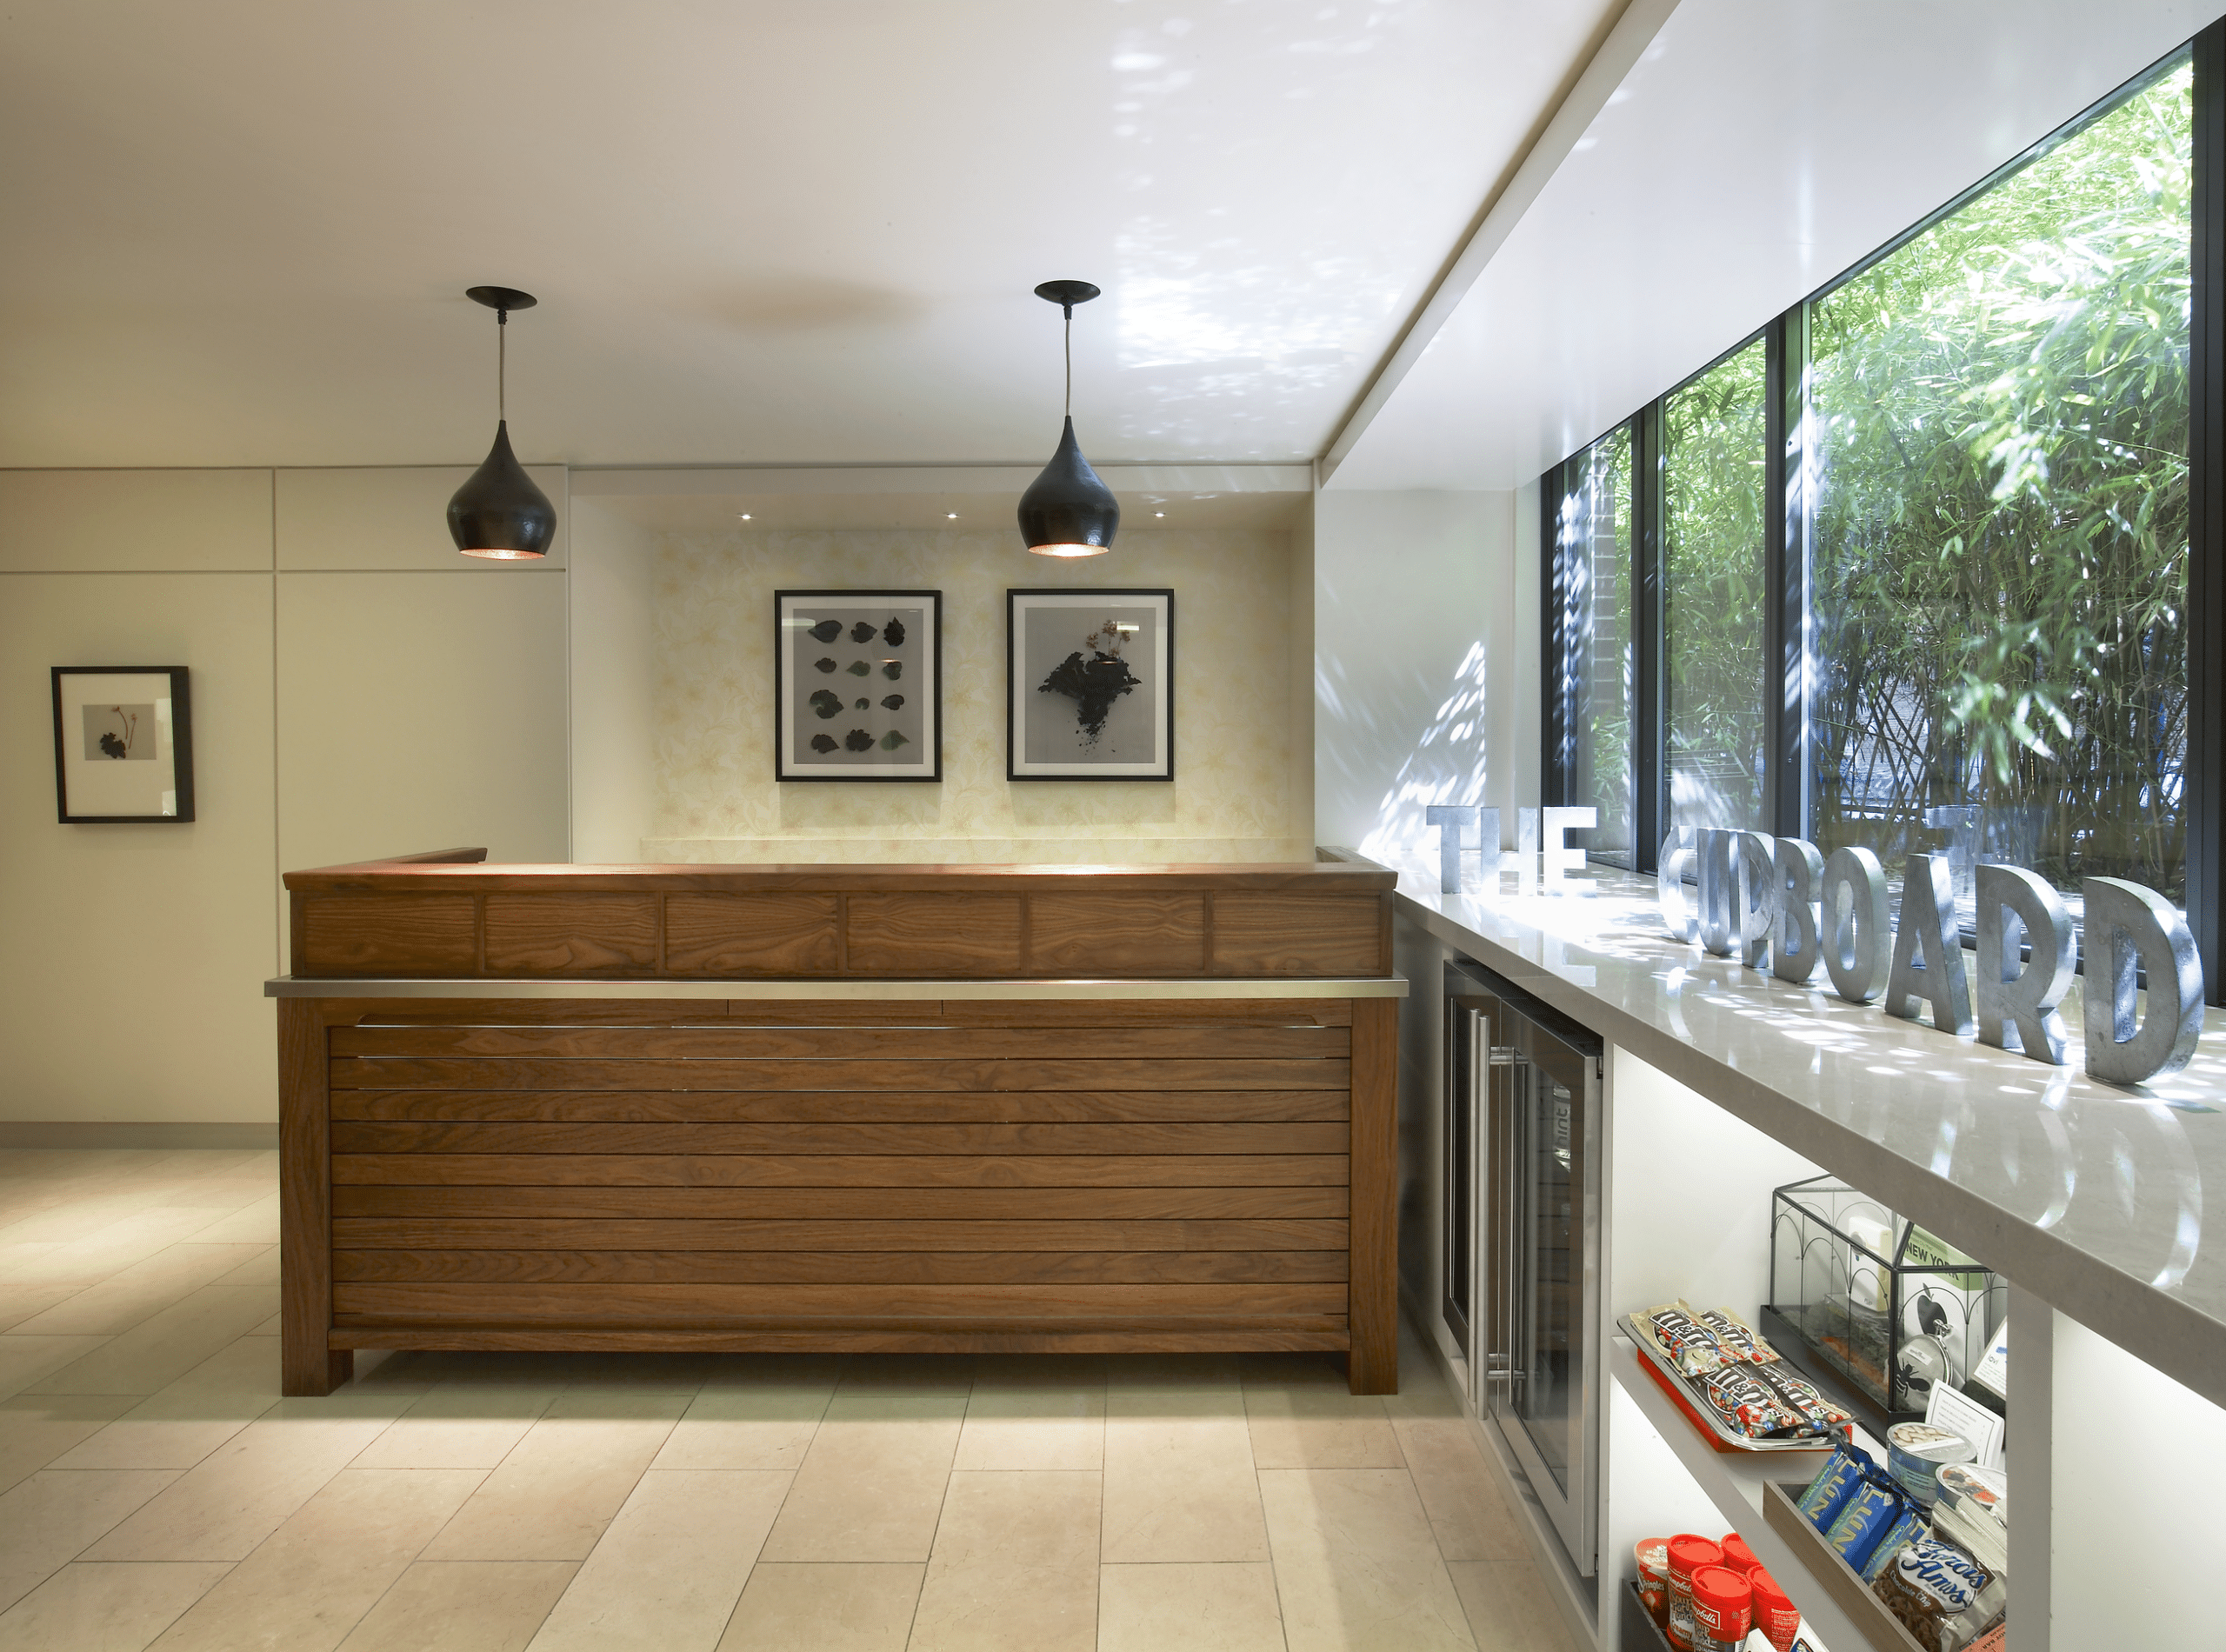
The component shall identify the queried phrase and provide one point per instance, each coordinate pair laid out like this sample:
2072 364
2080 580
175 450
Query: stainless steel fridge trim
1516 1038
1574 1514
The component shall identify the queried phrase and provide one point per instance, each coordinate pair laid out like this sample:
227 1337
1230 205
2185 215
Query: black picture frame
916 658
1028 609
99 789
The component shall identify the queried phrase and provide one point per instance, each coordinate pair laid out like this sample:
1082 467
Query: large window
1591 651
1713 580
1999 421
1911 569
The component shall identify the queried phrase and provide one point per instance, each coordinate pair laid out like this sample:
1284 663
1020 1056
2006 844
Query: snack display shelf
1827 1572
1737 1482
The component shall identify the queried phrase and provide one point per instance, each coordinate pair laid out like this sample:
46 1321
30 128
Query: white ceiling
1757 148
761 231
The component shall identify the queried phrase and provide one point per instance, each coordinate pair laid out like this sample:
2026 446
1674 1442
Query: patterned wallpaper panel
1241 790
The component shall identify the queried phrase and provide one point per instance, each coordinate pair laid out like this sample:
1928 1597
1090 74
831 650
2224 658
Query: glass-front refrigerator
1522 1145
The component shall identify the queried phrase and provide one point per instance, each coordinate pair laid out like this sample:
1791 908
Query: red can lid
1723 1592
1736 1555
1689 1553
1769 1597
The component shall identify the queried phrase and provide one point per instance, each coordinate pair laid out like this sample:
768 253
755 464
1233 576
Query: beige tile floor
156 1491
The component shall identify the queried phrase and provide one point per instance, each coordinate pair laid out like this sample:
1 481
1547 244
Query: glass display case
1874 1305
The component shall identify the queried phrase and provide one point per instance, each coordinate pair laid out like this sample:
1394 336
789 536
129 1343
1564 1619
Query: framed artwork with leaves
122 745
1090 684
858 685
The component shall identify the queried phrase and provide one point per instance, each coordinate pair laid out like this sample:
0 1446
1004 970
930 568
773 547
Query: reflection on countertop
2087 1194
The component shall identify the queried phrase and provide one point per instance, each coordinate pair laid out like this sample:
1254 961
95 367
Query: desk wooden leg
307 1366
1372 1367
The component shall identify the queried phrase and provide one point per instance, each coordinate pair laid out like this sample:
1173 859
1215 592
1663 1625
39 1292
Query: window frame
1788 528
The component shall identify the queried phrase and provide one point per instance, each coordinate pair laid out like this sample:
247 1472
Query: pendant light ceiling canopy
498 513
1067 510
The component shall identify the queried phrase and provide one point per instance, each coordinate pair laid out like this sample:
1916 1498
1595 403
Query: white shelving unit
1733 1481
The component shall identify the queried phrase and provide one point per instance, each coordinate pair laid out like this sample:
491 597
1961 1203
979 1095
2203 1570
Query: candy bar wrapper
1801 1397
1862 1521
1736 1339
1908 1528
1689 1345
1834 1484
1745 1406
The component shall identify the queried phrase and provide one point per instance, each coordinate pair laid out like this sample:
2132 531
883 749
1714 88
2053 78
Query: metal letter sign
2127 923
1797 869
1560 857
1672 862
1854 921
1928 948
2016 1000
1760 898
1452 821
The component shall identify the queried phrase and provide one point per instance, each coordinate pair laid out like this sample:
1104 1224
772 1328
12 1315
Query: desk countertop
2090 1195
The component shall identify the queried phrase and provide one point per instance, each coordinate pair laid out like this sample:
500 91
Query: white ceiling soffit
761 231
1757 148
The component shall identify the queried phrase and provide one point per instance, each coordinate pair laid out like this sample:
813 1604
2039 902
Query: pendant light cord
501 365
1070 360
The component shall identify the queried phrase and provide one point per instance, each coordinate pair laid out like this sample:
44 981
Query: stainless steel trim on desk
306 986
2023 1166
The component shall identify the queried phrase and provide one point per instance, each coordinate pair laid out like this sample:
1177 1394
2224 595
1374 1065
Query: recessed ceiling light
1159 513
745 515
950 516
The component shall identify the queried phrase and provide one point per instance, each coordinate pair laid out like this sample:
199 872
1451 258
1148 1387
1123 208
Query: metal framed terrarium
1872 1304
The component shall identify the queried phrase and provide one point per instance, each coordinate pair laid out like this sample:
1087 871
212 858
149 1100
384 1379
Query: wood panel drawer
575 933
752 935
933 934
1116 935
1266 934
386 935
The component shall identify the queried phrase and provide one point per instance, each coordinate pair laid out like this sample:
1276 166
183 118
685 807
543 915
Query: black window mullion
1785 710
1650 770
1555 682
2204 770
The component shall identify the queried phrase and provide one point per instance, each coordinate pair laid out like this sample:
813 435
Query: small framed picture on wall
122 745
1090 684
858 685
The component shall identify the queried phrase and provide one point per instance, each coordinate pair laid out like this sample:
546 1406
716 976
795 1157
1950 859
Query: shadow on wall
1445 763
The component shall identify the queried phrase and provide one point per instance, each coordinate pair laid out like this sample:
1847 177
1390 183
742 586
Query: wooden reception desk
837 1108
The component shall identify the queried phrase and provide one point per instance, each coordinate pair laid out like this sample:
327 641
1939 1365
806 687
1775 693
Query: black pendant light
498 513
1067 511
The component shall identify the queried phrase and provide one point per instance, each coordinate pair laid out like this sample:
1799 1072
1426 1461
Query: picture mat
915 720
1049 739
103 785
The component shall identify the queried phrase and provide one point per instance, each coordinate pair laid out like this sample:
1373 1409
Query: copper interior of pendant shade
508 555
1069 551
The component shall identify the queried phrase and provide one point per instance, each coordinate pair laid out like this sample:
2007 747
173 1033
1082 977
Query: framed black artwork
122 745
1090 684
858 685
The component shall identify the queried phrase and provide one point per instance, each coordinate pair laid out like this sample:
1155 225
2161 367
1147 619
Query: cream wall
1241 787
1425 664
358 689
